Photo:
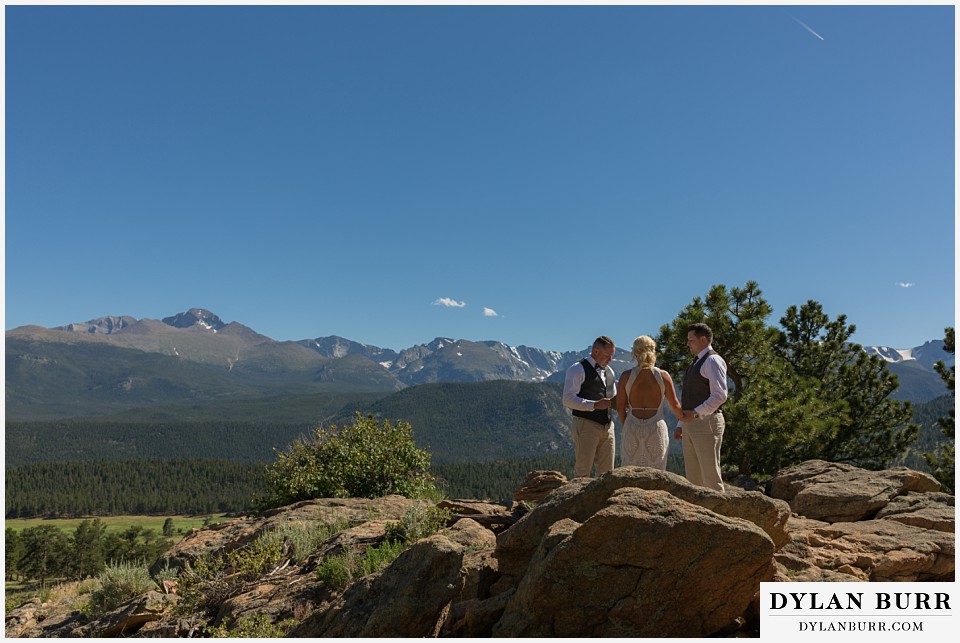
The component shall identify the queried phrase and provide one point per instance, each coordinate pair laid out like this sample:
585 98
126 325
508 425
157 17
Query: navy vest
696 388
592 388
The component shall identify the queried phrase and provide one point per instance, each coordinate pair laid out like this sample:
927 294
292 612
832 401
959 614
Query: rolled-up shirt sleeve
715 370
571 387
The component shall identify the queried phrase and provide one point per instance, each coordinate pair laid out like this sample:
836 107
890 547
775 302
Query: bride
640 407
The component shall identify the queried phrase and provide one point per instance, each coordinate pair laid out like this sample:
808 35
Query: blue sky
535 175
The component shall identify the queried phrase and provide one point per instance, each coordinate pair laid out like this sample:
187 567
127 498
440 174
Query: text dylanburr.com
841 611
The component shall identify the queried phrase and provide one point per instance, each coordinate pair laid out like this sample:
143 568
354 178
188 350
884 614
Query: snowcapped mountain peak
195 317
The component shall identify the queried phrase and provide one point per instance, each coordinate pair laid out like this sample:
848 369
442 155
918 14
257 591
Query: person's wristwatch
697 416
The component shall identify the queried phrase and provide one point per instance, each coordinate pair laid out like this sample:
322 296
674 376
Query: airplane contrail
807 27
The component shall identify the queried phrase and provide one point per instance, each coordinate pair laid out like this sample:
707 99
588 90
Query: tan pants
701 451
593 444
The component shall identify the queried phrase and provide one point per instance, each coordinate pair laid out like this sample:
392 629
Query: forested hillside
137 487
484 438
479 421
83 439
189 487
458 422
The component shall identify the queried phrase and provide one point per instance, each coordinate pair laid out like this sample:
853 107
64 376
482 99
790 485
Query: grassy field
181 524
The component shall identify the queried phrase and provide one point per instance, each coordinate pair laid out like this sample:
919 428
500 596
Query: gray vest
696 388
592 388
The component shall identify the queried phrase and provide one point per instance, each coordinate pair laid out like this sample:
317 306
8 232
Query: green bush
257 626
418 522
341 570
337 571
365 459
118 583
166 574
303 537
209 580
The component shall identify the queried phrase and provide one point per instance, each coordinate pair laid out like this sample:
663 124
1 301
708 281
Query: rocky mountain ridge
572 566
114 364
926 355
443 359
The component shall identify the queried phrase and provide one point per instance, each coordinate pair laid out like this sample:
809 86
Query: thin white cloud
904 284
449 303
489 312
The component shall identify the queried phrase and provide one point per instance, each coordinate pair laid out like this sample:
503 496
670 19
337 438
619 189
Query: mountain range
113 364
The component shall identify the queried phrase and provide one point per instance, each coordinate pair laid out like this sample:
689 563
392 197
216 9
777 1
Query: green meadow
181 524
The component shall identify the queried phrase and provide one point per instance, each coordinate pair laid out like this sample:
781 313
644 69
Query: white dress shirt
574 380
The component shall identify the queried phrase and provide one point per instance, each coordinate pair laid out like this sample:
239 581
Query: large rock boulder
836 492
646 565
581 498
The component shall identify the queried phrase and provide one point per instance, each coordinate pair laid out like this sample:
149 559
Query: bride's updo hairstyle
645 351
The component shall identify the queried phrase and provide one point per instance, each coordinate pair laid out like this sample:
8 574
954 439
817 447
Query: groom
704 391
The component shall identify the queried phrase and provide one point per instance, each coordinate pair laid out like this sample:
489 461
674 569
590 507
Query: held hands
605 403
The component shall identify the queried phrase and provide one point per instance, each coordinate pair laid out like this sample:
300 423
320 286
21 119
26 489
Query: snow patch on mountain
195 318
891 354
927 355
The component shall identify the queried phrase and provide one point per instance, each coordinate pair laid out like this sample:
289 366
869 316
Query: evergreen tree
12 553
740 333
135 543
799 393
942 461
44 552
873 428
86 548
767 402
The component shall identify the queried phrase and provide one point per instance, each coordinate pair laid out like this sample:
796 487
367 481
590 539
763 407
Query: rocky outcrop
871 550
583 497
228 536
924 510
645 564
538 485
130 617
411 597
487 514
35 619
835 492
634 553
852 524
